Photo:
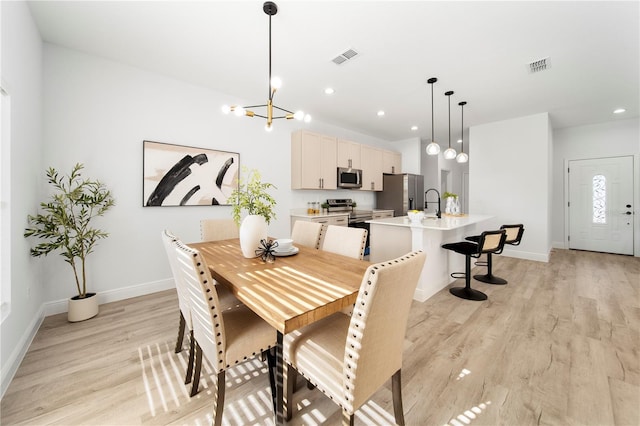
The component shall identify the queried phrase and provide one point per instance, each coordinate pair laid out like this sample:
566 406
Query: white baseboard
10 367
558 245
60 306
538 257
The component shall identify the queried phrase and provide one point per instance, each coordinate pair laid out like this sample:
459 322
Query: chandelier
270 9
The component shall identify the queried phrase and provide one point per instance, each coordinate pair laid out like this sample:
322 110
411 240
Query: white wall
98 112
510 175
22 74
611 139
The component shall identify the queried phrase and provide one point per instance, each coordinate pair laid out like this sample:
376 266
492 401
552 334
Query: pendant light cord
432 112
270 97
449 98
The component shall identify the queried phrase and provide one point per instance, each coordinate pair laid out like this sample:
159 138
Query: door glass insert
599 199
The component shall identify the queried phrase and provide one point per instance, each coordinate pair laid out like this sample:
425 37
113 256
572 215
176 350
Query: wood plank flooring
558 345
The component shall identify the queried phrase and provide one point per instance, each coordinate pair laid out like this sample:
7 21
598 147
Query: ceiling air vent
344 57
539 65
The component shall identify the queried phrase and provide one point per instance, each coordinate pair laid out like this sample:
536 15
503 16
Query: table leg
279 381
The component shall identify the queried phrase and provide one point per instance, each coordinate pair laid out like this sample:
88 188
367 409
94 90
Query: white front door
601 205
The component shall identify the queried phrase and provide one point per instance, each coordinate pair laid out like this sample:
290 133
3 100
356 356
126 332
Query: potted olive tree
252 197
64 226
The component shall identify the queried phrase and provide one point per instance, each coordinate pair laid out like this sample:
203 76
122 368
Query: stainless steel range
357 218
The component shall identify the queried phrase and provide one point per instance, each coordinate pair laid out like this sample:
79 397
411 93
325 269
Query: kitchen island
393 237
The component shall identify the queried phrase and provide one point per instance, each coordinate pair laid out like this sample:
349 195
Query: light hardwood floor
558 345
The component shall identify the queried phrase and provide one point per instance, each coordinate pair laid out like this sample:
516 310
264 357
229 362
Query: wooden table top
291 292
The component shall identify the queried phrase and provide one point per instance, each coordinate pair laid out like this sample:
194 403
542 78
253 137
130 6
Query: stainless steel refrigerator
401 192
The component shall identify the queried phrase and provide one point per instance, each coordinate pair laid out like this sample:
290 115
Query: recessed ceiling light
414 128
459 140
329 91
619 111
380 113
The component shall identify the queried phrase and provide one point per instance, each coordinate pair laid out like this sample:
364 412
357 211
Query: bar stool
514 236
489 242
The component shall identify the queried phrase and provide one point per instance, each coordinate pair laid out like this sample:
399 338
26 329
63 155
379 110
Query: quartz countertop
303 213
431 222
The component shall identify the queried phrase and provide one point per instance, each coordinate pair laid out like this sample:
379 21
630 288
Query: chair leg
347 419
489 278
218 401
196 372
291 380
396 390
271 363
181 328
192 352
467 292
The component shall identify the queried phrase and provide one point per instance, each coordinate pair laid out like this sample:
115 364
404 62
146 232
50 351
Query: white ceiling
478 49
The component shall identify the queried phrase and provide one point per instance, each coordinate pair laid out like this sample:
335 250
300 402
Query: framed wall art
176 175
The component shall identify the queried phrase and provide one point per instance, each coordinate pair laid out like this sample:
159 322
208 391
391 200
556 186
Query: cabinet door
313 161
371 168
348 154
391 162
311 168
327 160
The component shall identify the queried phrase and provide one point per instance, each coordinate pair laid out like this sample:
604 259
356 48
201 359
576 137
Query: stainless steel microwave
349 178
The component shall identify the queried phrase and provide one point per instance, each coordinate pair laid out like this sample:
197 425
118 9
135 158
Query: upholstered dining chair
514 237
218 229
346 241
306 233
225 337
350 358
489 242
225 296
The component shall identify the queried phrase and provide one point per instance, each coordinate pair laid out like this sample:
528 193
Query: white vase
449 205
252 229
82 309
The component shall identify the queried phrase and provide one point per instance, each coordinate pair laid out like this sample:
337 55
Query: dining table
289 292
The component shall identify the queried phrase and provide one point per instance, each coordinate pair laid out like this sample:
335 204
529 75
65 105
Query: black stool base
468 293
490 279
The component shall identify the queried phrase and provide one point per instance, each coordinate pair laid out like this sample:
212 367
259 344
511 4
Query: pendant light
462 157
449 153
270 8
433 148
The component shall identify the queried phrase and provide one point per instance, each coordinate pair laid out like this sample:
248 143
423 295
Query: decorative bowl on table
415 215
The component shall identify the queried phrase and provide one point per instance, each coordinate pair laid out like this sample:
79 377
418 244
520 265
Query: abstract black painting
176 175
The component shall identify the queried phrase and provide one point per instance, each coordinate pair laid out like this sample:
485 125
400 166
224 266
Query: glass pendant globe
449 154
433 148
462 158
239 111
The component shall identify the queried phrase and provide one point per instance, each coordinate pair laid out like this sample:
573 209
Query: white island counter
393 237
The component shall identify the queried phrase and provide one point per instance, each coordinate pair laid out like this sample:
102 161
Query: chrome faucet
426 203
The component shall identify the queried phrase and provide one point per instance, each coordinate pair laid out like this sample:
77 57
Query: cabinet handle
320 183
372 186
349 162
393 169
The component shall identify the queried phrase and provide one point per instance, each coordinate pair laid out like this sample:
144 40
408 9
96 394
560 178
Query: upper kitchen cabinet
391 162
371 168
313 160
349 154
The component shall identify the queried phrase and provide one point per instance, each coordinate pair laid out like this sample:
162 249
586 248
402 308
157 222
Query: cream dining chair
306 233
350 358
218 229
225 296
225 337
346 241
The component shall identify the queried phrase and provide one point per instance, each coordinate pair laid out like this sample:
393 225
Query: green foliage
252 196
65 218
449 194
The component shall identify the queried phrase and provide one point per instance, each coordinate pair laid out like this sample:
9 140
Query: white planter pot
252 229
82 309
